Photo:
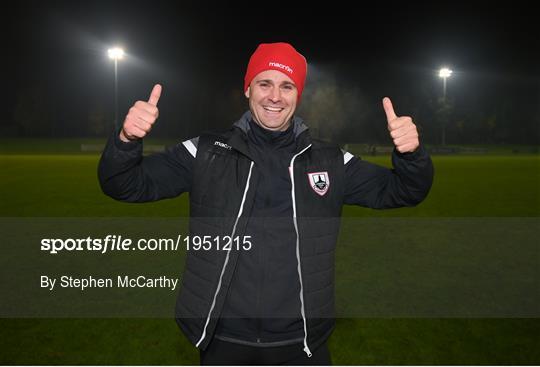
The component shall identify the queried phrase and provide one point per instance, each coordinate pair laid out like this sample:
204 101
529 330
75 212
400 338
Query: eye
288 87
263 85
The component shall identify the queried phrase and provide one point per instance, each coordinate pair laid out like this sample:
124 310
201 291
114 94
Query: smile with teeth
273 109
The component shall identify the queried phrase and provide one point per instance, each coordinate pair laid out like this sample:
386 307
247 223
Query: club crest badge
319 182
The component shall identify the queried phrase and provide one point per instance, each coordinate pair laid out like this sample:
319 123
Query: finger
146 116
154 96
402 141
410 137
402 131
399 122
389 109
147 107
143 125
136 132
398 133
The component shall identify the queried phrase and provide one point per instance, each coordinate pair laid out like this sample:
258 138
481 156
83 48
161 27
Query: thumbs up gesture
402 129
141 117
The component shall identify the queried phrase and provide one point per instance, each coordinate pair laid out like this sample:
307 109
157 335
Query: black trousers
220 352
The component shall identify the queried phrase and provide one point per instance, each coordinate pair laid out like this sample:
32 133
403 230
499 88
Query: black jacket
218 171
262 307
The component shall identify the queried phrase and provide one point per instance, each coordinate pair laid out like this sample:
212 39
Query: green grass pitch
465 186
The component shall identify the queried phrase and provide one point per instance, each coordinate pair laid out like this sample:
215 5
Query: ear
246 93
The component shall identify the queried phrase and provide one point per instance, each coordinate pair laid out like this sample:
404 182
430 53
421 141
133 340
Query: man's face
272 99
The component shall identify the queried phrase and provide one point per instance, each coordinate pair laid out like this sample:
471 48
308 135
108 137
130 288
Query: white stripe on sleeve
347 157
190 147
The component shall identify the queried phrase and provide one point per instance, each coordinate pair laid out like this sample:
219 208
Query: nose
275 95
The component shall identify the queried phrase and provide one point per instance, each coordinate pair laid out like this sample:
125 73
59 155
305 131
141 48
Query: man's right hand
141 117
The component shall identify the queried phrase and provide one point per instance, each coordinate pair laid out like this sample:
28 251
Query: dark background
476 229
59 80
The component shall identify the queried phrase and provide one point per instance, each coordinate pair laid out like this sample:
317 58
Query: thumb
154 96
389 109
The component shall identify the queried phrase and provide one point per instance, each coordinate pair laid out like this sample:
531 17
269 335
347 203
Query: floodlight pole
444 73
116 93
116 54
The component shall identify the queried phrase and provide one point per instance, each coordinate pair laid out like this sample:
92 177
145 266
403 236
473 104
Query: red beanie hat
281 57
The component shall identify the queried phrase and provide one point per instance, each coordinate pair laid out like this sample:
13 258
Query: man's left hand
402 129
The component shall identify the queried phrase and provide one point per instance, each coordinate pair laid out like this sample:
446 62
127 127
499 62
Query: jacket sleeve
377 187
125 174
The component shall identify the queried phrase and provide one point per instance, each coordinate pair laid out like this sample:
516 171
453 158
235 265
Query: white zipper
302 310
227 257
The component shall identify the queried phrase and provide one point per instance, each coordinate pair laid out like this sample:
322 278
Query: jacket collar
243 124
238 139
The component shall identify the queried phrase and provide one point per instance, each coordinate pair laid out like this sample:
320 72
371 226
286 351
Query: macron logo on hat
281 66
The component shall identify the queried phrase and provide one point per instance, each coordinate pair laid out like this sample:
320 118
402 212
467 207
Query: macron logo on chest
223 145
281 66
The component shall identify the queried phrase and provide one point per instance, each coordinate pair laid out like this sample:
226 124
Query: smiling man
272 87
272 99
267 182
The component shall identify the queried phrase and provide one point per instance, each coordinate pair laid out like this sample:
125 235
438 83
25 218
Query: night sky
199 54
